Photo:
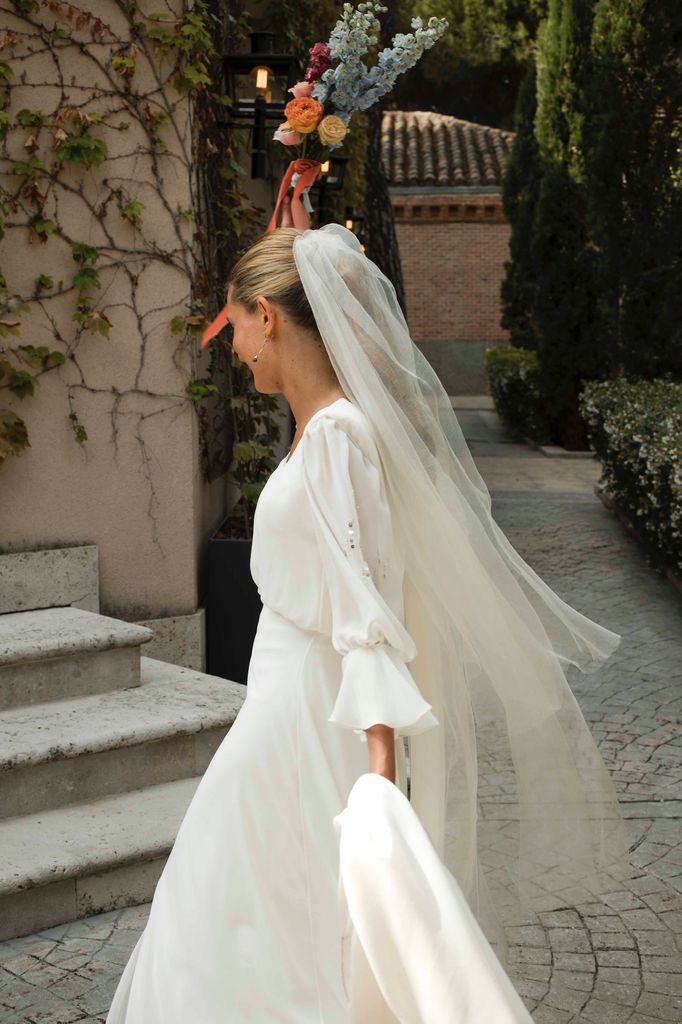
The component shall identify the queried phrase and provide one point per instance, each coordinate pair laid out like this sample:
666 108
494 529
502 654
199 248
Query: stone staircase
101 750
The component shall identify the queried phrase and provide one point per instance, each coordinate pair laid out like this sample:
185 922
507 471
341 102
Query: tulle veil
493 638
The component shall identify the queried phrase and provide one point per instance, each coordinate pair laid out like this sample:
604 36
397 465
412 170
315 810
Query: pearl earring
255 358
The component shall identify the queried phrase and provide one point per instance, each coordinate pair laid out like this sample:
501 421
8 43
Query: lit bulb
349 225
262 78
325 167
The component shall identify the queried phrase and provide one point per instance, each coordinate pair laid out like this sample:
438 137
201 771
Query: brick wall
452 250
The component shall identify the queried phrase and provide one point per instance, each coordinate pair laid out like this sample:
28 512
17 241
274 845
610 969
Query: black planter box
232 608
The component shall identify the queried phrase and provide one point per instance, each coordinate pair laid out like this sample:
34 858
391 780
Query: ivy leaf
57 32
13 434
39 357
84 253
28 168
132 212
32 118
22 383
43 227
85 278
99 323
200 388
82 149
79 430
43 281
191 78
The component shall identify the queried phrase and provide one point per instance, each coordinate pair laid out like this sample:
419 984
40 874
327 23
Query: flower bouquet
336 83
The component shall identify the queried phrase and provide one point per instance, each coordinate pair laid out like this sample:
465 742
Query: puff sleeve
364 577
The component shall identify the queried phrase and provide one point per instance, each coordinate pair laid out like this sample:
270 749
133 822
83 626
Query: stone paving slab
616 959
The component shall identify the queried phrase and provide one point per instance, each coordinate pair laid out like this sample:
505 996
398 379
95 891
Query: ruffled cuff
378 688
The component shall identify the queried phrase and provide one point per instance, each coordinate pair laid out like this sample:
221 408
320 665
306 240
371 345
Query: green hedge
636 430
513 378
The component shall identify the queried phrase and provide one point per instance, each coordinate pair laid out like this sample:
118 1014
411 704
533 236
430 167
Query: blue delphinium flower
350 85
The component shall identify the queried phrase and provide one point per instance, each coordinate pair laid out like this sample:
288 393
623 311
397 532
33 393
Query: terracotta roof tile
421 147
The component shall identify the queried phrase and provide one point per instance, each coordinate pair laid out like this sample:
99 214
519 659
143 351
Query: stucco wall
135 487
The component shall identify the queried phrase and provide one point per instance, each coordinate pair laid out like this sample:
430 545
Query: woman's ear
266 312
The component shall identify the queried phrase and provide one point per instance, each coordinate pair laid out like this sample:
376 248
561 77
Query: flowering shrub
636 430
513 378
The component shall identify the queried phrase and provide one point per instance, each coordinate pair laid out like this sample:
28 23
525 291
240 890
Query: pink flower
302 89
320 61
286 135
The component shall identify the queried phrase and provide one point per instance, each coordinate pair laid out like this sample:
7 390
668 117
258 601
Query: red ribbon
308 171
215 325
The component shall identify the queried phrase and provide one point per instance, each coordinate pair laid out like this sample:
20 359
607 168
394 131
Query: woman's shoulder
350 418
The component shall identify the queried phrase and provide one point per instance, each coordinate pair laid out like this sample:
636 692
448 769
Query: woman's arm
381 748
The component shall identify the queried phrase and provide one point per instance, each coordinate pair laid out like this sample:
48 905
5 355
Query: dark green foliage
568 343
636 429
594 197
519 196
569 347
513 377
633 179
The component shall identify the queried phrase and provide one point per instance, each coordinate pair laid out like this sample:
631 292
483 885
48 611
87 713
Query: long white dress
247 918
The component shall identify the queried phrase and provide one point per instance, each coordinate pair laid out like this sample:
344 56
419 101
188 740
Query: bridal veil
493 639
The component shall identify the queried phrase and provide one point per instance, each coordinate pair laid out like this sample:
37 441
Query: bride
402 644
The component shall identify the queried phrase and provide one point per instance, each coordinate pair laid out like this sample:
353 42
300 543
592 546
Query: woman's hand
381 747
286 219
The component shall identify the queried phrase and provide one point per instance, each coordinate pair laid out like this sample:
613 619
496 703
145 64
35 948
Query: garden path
616 961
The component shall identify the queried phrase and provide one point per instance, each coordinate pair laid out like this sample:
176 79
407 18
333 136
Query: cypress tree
519 196
633 166
569 345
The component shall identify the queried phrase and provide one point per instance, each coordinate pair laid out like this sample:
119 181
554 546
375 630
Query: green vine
45 152
54 155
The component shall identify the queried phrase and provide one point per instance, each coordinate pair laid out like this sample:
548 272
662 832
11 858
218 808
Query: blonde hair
268 268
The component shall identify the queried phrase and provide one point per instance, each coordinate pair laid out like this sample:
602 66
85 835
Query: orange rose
303 114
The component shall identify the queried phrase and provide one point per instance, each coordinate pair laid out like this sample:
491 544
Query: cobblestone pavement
612 960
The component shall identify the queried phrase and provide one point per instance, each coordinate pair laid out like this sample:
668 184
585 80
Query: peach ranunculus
286 135
331 130
301 89
303 114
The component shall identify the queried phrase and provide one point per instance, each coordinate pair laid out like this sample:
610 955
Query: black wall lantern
331 179
268 72
355 221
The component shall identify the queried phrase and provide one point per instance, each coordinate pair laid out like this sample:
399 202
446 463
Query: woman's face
249 331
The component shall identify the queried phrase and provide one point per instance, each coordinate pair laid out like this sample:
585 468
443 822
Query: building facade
445 183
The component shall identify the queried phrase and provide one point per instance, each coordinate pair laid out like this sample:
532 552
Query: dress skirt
245 923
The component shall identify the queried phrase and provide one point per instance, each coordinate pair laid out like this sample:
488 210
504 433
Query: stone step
53 653
64 752
71 862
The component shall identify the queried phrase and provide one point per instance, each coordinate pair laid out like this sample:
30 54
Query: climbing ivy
57 153
48 154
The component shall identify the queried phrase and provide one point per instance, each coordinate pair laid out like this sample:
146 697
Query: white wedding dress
250 920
